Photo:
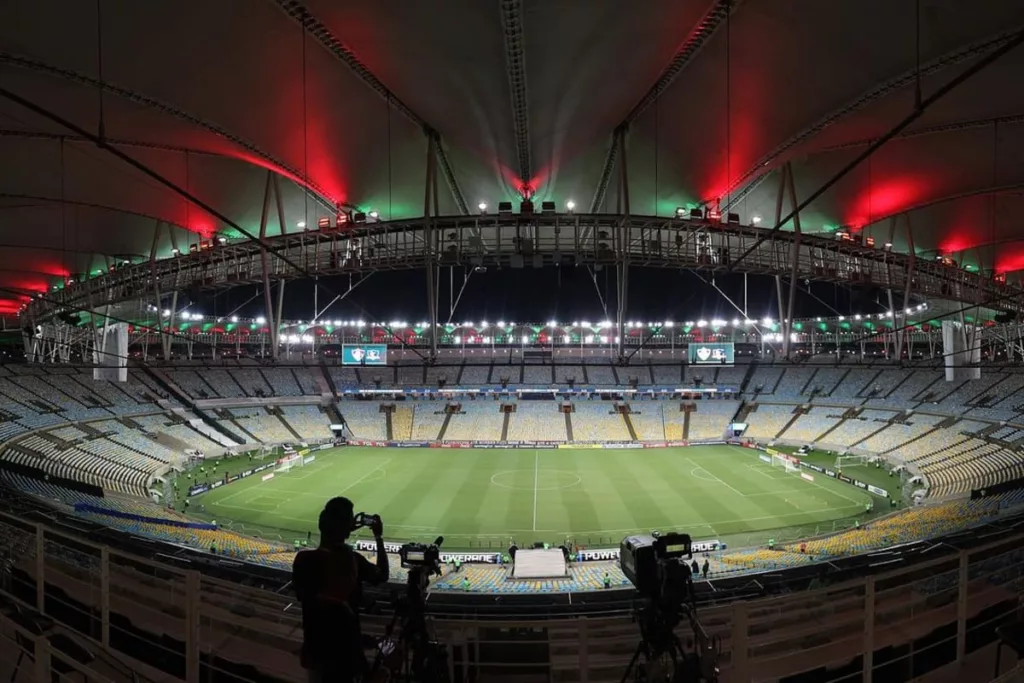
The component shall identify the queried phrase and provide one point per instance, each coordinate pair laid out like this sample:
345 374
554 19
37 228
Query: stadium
771 303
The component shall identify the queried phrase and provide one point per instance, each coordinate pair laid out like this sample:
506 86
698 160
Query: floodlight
501 323
374 214
458 339
857 317
175 251
482 206
735 322
842 318
167 312
234 318
589 339
300 224
680 212
337 323
718 323
669 323
570 205
221 239
261 320
755 219
818 319
605 324
702 323
552 323
526 339
767 321
483 324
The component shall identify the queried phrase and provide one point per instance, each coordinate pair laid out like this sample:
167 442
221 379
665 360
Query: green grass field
482 498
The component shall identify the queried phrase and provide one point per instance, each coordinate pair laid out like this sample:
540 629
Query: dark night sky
538 295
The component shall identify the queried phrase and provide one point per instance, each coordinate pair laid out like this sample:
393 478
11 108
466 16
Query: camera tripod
413 656
660 646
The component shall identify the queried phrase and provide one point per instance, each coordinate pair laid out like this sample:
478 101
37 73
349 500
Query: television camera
414 656
657 565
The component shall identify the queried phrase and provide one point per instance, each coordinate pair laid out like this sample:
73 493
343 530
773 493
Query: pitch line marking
715 478
383 464
717 521
536 474
497 475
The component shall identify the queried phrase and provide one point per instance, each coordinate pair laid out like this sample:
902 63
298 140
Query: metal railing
174 621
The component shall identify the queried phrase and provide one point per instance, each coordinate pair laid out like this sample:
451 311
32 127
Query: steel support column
430 193
794 257
265 262
165 337
908 287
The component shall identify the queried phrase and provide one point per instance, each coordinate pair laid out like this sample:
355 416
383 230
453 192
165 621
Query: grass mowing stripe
483 497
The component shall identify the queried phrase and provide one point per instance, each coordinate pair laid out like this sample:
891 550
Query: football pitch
484 498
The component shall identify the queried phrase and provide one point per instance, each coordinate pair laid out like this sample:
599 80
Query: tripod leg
17 665
632 661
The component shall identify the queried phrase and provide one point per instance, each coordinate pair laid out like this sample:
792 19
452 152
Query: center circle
544 479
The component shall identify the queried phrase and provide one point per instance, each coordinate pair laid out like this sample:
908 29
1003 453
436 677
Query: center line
536 459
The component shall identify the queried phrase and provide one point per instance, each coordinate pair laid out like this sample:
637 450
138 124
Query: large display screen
711 354
364 354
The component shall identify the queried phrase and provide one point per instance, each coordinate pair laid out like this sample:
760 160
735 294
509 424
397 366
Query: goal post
785 462
853 460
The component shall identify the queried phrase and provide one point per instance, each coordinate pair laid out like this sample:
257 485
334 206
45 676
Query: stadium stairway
389 426
902 415
444 426
629 425
568 426
276 411
796 416
686 424
847 414
324 381
172 389
333 414
504 426
906 443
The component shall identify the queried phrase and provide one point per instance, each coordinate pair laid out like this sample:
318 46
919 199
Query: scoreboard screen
711 354
364 354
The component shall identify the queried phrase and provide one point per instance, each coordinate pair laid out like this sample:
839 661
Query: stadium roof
336 97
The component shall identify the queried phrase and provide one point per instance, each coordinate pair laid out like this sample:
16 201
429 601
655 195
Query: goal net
852 460
784 461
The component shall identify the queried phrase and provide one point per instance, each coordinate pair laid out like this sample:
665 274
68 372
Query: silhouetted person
705 568
695 568
328 582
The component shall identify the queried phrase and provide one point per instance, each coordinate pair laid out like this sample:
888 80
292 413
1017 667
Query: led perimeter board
364 354
711 354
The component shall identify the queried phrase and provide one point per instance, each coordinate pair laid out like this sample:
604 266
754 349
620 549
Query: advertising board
718 353
364 354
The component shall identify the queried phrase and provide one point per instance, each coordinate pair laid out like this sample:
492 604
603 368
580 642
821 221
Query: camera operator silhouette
328 582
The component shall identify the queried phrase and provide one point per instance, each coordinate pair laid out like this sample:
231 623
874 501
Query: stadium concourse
231 439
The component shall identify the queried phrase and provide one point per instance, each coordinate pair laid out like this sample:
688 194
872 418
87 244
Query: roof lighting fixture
483 324
261 320
552 323
669 324
888 246
221 239
857 317
374 214
842 318
166 312
702 323
300 224
767 321
175 251
680 212
501 324
526 339
234 318
755 220
570 206
483 207
735 322
718 323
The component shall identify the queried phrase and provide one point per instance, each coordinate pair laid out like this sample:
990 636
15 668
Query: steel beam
430 191
690 47
403 245
794 253
515 65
